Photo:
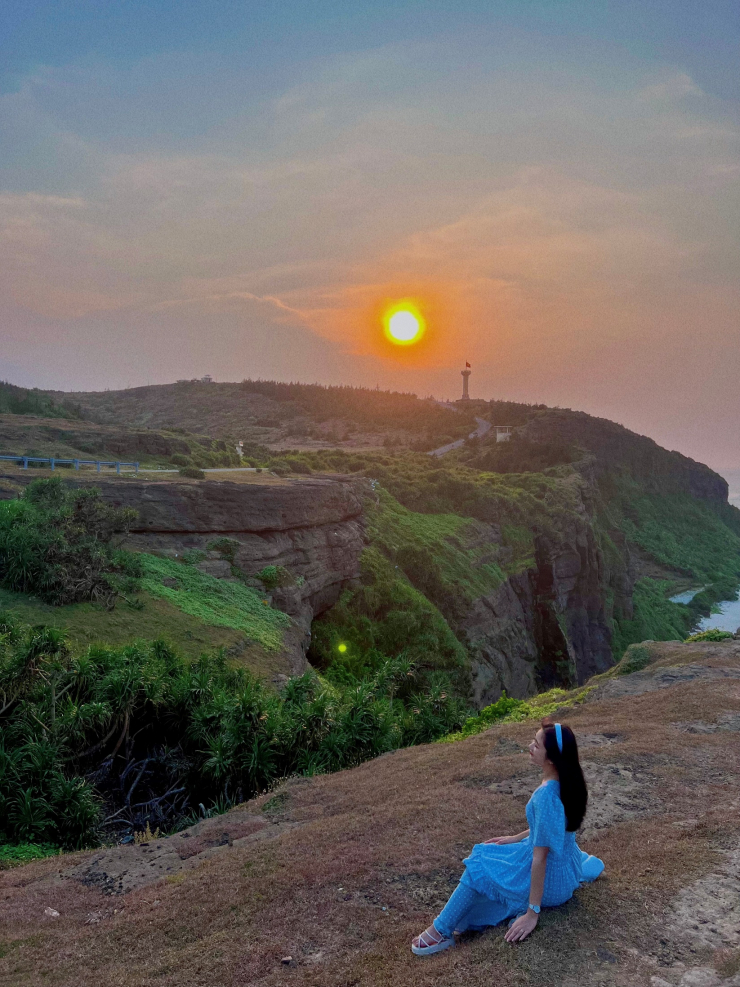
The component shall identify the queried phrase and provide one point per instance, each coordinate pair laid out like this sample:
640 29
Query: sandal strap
431 942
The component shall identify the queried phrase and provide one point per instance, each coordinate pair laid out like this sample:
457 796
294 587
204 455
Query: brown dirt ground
339 872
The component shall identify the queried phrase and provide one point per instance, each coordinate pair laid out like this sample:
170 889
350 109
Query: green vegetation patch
434 550
655 617
152 618
535 501
214 601
61 544
13 854
387 617
710 634
120 739
636 657
273 576
509 710
679 531
22 401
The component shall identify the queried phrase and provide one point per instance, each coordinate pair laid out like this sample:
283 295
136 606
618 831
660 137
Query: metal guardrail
76 463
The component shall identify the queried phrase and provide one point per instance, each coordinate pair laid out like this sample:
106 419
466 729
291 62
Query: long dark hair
573 791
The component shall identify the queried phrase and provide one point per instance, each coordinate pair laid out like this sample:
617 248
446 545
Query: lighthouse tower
465 375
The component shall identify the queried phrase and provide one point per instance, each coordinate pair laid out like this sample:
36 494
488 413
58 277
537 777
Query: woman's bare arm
509 839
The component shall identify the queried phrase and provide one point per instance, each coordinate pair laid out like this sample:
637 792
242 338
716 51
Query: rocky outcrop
312 527
500 633
550 625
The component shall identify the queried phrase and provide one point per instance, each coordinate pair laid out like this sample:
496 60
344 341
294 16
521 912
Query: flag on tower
467 364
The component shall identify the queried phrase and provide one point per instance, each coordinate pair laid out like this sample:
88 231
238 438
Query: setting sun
404 324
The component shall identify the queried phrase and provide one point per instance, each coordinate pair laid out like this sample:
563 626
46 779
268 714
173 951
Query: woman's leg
461 901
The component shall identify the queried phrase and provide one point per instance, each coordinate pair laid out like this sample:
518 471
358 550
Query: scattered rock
605 956
652 679
218 568
727 721
707 912
506 745
617 793
51 912
598 739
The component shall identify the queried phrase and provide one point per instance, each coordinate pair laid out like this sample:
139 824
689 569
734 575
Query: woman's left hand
522 927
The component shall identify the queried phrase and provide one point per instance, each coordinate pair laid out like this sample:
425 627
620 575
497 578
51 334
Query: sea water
687 596
728 618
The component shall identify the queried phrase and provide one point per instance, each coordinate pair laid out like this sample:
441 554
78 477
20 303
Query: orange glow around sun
403 323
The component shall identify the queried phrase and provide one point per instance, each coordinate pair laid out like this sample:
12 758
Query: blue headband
559 736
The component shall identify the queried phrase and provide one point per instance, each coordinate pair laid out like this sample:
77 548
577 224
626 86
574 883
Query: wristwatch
535 908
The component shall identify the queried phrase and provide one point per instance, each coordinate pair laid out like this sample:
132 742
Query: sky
241 188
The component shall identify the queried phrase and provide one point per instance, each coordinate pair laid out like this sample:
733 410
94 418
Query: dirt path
323 883
482 429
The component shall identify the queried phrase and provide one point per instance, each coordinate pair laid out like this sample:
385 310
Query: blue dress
503 872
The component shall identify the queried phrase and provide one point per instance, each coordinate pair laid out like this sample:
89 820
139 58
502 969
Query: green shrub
710 634
117 739
21 401
273 576
192 472
179 460
509 710
654 616
61 544
635 658
386 617
193 556
226 547
497 712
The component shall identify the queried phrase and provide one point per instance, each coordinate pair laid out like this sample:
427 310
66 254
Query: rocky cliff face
312 527
551 623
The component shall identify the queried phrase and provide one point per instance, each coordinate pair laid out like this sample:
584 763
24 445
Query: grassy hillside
275 414
88 623
61 566
63 438
679 541
171 601
427 510
393 654
22 401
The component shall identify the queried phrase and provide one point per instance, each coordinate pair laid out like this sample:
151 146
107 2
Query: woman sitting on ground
514 876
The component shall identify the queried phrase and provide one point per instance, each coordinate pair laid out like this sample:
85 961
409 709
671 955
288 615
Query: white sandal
427 945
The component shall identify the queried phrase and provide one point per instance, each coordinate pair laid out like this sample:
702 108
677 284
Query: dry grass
339 872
